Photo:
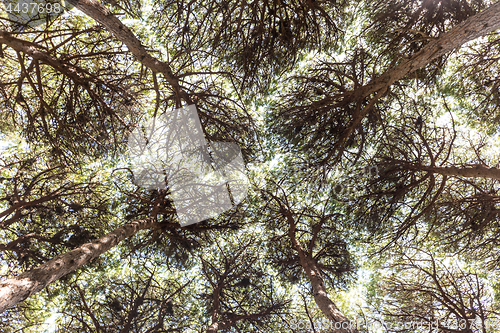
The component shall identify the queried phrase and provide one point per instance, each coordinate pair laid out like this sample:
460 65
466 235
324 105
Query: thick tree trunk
325 304
341 323
475 171
104 16
474 27
214 327
224 325
217 325
17 289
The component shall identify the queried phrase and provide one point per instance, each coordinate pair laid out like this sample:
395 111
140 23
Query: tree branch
17 289
104 16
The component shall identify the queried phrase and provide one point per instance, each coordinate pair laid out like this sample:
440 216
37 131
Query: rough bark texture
214 327
17 289
104 16
476 26
325 304
475 171
77 74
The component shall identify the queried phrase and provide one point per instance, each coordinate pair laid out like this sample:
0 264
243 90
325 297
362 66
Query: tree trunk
17 289
213 328
341 323
474 27
475 171
104 16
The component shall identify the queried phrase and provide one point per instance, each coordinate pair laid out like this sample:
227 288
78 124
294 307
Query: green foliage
384 209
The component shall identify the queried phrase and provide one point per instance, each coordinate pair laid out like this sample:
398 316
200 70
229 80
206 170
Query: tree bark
341 323
75 73
104 16
474 27
17 289
478 170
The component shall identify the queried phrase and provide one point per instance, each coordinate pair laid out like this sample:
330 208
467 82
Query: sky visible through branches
249 166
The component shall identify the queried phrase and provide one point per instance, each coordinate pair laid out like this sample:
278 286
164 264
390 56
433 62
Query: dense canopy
370 136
